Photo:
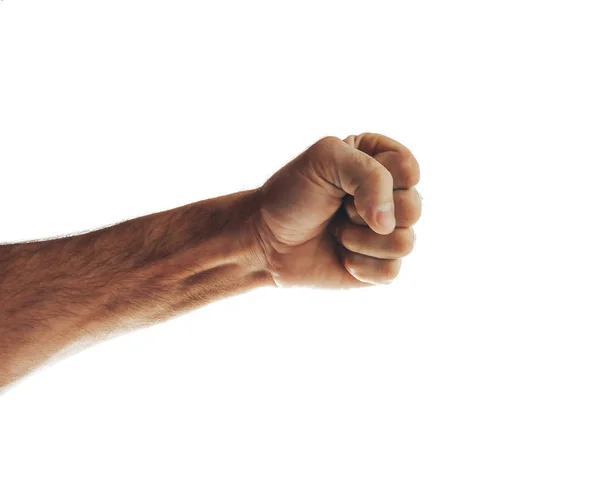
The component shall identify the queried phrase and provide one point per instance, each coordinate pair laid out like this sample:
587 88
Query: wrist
251 242
211 251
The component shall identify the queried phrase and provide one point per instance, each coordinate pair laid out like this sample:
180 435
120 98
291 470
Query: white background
481 362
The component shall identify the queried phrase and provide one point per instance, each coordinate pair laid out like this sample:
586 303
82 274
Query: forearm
78 289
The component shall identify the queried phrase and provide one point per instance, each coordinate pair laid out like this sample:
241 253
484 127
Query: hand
318 223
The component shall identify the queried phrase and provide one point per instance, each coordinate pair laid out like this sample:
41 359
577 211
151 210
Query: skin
318 218
313 223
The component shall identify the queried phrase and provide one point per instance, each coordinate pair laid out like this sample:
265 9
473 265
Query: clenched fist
340 215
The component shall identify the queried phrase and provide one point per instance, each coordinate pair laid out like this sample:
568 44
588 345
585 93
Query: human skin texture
313 223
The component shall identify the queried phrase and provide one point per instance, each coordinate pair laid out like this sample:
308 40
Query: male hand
318 221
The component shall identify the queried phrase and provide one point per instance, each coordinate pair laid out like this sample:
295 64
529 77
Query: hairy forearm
78 289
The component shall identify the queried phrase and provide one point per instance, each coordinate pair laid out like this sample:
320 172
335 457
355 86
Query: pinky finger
371 270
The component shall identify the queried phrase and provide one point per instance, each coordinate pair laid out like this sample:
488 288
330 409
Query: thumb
360 175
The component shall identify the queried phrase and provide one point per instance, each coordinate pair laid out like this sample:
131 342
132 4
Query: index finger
395 157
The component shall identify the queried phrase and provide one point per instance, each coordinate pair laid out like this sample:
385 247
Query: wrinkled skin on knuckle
374 174
322 156
326 146
329 141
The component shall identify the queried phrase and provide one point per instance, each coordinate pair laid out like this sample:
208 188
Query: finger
407 208
394 156
359 175
405 170
372 143
362 240
371 270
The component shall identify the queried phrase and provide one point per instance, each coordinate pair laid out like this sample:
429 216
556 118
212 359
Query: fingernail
385 216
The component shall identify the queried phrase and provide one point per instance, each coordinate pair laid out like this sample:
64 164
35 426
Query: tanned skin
313 223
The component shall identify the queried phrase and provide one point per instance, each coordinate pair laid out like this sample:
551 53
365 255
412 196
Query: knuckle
322 157
377 171
325 149
327 142
371 174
